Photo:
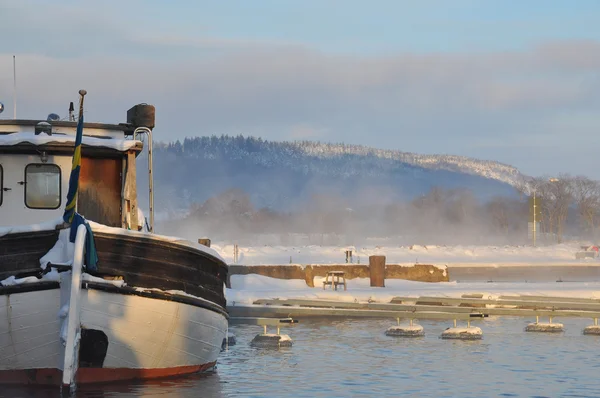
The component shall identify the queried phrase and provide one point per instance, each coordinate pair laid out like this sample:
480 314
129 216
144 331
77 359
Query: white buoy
468 333
269 340
410 330
545 327
593 330
273 340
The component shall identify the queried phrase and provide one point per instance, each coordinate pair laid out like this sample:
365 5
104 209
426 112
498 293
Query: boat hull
127 334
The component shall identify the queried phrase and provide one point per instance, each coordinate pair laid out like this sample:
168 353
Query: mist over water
253 192
440 217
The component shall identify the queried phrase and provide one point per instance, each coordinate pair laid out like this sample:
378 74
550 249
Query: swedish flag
70 216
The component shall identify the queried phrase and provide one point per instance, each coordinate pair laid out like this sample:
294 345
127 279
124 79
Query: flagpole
82 94
71 206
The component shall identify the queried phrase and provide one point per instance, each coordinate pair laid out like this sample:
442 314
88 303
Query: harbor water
354 358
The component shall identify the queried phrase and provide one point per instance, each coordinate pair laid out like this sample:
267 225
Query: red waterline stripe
48 376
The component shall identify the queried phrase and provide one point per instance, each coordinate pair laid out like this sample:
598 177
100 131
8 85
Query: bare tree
556 197
461 206
562 189
498 209
587 198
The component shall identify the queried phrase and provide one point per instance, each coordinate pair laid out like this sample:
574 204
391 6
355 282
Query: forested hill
284 175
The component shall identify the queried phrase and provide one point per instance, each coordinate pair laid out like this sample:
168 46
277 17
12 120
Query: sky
515 82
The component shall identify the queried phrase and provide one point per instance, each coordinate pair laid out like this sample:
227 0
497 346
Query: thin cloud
443 102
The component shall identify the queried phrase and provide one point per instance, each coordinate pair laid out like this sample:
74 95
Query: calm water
355 358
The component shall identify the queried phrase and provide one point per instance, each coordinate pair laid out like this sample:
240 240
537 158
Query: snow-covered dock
259 296
476 308
440 308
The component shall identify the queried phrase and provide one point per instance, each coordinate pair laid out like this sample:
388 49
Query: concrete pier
559 272
411 272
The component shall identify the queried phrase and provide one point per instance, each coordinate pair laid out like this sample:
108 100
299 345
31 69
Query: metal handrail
148 132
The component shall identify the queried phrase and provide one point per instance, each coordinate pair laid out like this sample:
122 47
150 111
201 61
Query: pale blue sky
513 81
383 26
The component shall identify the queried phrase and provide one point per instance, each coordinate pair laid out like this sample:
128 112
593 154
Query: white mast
14 87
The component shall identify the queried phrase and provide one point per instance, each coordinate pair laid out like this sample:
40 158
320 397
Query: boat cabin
35 166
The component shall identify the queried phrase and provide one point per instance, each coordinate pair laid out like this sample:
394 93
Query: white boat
95 295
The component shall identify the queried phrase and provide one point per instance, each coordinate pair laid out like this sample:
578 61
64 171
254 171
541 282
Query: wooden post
377 271
309 276
204 241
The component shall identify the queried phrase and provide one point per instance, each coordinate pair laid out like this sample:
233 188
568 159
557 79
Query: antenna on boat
14 87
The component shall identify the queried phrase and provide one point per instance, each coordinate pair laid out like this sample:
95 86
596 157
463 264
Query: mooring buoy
271 340
276 340
468 333
593 330
545 327
410 330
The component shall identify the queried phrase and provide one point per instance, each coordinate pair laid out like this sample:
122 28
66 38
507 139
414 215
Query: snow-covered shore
246 289
563 254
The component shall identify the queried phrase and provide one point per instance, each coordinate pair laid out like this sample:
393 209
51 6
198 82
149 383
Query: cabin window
42 186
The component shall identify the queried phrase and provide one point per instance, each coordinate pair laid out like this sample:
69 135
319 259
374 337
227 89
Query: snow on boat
88 292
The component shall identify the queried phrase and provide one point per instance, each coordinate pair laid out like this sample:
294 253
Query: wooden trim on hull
53 377
28 287
141 261
152 263
21 252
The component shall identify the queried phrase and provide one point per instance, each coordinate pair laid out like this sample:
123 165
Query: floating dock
421 307
467 308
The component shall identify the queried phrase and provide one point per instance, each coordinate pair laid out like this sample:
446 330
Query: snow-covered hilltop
462 164
285 174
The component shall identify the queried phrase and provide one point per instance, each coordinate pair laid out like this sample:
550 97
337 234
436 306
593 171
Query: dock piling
377 271
545 327
411 330
593 330
268 340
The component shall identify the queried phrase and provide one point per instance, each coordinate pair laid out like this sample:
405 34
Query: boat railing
148 132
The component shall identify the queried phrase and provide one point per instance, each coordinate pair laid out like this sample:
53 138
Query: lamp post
534 229
535 205
534 209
